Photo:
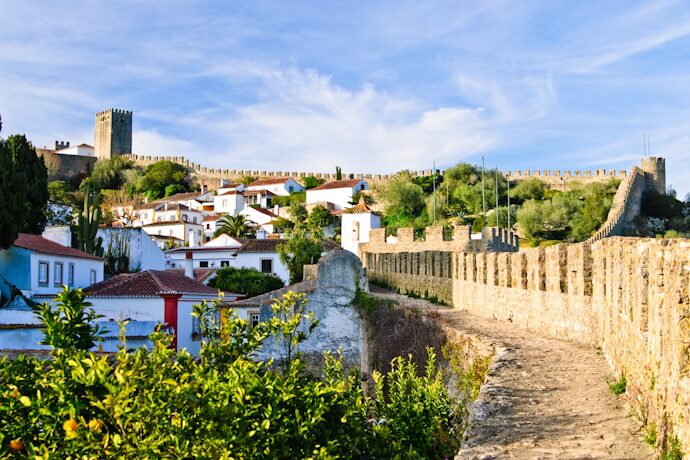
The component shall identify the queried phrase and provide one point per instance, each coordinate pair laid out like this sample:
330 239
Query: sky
371 86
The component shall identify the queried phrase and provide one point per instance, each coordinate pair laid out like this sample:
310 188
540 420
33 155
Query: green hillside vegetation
663 216
540 214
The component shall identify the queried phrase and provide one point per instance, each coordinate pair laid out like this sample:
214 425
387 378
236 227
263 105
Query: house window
92 277
194 219
203 264
184 218
57 274
266 265
43 268
70 275
208 226
254 318
198 233
172 218
291 189
224 263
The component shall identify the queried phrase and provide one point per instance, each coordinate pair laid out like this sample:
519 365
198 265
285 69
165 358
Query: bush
158 403
247 281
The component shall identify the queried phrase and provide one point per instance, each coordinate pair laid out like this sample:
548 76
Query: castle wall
66 167
113 133
630 296
558 179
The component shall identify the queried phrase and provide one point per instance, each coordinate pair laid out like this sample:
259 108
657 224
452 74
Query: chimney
189 264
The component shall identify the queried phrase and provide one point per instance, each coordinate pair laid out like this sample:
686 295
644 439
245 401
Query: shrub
159 403
619 387
248 281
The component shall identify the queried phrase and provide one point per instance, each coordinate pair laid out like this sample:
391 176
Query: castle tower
113 133
655 173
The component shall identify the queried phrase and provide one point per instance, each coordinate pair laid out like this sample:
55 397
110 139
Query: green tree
60 191
319 217
237 226
246 180
160 175
530 189
298 213
404 198
70 324
23 189
299 250
110 174
311 182
247 281
427 182
338 173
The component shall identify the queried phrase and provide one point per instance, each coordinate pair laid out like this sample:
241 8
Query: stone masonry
629 296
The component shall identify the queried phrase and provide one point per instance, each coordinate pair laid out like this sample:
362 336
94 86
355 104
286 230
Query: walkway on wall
545 398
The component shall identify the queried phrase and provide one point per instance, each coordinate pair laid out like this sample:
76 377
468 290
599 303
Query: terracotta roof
257 192
179 197
359 208
200 274
170 222
265 212
211 218
349 183
270 245
160 207
149 283
42 245
204 249
230 192
272 181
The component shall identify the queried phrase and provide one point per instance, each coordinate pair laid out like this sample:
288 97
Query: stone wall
66 167
630 296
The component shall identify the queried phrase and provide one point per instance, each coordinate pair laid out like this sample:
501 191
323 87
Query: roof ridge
154 275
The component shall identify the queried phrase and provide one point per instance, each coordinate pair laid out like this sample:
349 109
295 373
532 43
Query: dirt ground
544 398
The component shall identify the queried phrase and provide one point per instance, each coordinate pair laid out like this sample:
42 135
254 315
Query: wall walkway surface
629 296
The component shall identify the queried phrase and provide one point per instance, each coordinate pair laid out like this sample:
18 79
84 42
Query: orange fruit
95 424
16 445
70 425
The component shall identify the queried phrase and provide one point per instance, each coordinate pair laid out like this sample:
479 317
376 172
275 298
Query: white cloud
151 142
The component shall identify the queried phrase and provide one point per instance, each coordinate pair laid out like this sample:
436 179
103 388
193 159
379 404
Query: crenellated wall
630 296
555 178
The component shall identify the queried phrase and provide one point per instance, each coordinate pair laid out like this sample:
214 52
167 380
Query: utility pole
433 178
496 175
483 196
508 202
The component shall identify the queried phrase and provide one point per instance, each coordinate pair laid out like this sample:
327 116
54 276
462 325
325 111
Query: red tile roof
200 274
230 192
349 183
149 283
257 192
265 212
272 181
42 245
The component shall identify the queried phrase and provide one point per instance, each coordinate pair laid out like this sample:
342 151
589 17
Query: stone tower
655 173
113 133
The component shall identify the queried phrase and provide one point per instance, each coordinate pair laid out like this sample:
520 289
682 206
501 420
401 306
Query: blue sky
370 86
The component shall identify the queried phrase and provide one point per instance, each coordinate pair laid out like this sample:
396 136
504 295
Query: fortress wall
630 296
211 176
66 167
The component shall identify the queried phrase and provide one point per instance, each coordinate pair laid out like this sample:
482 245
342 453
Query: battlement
548 175
115 111
459 238
59 145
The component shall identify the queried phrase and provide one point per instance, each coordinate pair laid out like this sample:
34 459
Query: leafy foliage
237 226
311 182
164 178
300 249
319 217
63 192
23 189
298 213
158 403
110 174
248 281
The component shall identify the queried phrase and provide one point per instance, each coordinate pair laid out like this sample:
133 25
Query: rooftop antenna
483 196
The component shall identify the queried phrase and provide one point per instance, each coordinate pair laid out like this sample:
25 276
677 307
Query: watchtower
113 133
655 173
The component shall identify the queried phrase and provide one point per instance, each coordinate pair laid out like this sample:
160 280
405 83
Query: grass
650 435
671 451
619 387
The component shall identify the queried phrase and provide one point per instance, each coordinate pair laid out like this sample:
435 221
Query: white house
228 202
148 299
40 267
261 198
210 224
178 231
84 150
143 252
356 224
214 257
282 186
339 192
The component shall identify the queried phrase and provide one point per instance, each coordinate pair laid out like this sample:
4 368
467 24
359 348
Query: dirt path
544 398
